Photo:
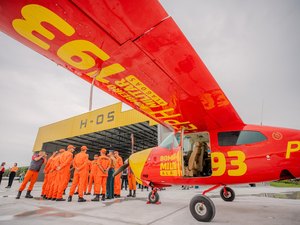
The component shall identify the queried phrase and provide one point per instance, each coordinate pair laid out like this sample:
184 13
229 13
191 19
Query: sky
251 47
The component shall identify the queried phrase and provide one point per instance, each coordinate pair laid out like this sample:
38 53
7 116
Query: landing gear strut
153 197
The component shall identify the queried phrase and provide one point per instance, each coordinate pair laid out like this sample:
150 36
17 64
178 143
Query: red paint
170 83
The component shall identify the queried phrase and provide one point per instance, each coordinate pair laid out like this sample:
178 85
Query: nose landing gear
153 197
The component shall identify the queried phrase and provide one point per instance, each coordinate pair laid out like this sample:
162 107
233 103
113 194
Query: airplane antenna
262 113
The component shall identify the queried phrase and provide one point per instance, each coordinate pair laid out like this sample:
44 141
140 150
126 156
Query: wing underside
132 49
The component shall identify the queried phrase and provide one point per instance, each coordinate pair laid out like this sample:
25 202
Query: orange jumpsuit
50 177
88 175
117 182
93 172
65 161
46 177
101 175
54 177
80 164
131 180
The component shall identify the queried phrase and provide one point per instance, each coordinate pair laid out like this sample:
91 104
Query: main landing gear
202 207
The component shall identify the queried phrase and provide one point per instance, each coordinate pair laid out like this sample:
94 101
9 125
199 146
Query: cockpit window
233 138
171 142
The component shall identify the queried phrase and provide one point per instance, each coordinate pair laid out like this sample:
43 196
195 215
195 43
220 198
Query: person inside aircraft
195 163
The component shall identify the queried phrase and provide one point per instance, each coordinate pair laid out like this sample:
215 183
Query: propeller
122 168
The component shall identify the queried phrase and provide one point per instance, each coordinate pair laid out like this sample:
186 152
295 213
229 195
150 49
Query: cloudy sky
251 47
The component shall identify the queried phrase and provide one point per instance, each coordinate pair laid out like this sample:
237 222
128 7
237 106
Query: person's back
80 164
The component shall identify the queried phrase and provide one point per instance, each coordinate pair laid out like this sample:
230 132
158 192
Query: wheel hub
227 195
200 209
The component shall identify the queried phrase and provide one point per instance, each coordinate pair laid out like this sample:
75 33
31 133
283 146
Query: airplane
135 51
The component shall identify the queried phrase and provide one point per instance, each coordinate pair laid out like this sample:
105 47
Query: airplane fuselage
247 154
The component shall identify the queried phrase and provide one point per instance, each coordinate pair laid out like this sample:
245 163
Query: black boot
60 199
96 199
28 195
133 194
80 199
69 198
130 194
103 197
19 195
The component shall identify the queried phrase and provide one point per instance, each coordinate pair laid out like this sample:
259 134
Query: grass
286 183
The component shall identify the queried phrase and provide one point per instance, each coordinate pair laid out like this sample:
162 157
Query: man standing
47 176
93 173
110 177
80 164
51 195
117 182
124 179
131 183
103 164
2 170
65 161
38 159
12 175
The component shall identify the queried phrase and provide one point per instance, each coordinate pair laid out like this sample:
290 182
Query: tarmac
253 205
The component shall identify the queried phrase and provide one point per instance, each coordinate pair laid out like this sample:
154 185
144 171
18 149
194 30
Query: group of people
97 174
12 173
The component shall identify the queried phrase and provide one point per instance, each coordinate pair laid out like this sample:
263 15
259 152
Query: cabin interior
196 155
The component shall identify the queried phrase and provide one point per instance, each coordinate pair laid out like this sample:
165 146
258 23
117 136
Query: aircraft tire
153 199
230 194
202 208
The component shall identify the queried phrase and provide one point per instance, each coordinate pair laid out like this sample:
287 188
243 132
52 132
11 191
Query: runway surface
253 205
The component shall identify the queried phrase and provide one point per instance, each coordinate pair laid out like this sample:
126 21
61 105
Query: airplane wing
132 49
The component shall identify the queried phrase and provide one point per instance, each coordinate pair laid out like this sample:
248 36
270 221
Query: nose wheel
153 197
202 208
227 194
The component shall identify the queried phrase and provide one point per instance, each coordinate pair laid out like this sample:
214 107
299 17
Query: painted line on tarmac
163 217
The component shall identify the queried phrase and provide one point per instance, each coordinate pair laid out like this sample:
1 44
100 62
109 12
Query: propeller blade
122 168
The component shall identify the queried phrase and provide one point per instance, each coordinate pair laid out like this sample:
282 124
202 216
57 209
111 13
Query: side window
170 142
233 138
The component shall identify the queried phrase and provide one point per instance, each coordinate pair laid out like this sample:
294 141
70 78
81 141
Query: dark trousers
1 173
11 178
110 184
124 182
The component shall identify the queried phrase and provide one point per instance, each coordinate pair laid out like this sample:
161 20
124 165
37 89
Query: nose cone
137 162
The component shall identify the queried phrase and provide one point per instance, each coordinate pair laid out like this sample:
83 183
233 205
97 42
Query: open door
196 155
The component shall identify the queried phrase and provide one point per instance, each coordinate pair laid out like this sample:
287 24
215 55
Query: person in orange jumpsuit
38 159
46 175
54 176
65 161
12 175
103 164
117 182
80 164
50 175
88 177
93 172
131 183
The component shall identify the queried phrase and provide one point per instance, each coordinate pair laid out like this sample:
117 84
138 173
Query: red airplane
134 51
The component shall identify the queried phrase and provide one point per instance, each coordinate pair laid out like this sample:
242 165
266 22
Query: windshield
171 142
